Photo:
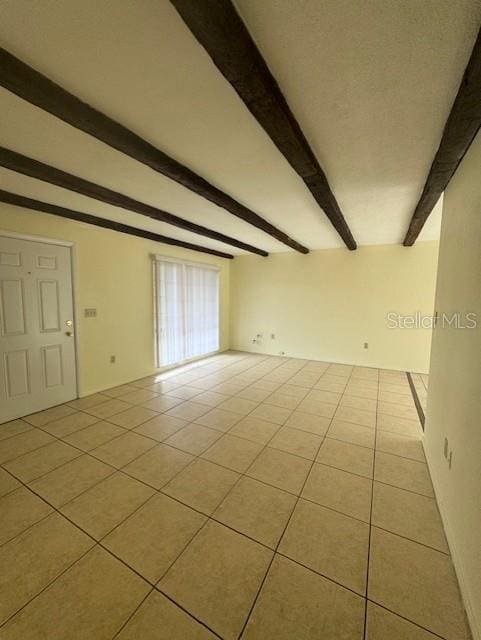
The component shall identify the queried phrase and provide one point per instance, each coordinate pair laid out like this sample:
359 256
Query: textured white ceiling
370 82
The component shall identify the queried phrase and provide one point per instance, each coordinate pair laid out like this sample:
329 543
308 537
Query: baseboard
328 359
474 622
155 372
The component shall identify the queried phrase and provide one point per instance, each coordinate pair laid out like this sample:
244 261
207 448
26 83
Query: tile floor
241 497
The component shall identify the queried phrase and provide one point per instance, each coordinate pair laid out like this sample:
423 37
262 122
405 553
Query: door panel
37 348
13 307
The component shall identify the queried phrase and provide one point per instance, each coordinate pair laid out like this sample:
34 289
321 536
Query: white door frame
73 258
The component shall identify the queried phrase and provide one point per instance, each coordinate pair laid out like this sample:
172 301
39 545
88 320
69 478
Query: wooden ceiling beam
221 31
41 171
462 125
30 85
37 205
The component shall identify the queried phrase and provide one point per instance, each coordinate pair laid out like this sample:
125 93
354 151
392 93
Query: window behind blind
187 310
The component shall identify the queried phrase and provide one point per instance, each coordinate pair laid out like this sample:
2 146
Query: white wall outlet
273 336
366 345
112 359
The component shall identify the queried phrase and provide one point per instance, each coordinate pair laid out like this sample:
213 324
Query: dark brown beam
25 82
45 207
35 169
220 30
461 128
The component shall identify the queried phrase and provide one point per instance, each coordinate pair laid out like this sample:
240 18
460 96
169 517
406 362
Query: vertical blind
187 310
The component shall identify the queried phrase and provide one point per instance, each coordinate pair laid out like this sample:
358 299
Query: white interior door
37 346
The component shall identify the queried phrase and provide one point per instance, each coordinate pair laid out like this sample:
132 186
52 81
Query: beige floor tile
80 404
217 578
401 426
194 439
93 599
340 370
160 427
124 449
94 436
65 426
353 433
162 386
417 583
320 395
323 409
7 483
121 390
158 465
256 510
383 625
280 469
23 443
210 398
176 624
409 515
347 456
20 509
238 405
13 428
339 490
293 390
108 409
270 413
36 557
361 391
228 388
356 402
233 452
398 410
152 538
392 387
404 446
132 417
184 392
396 398
188 410
70 480
365 373
101 508
297 442
297 603
403 473
162 403
308 422
202 485
138 396
287 401
331 383
254 429
36 463
219 419
328 542
49 415
357 416
267 385
254 393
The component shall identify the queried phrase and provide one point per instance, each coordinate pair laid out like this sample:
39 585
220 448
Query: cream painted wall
327 304
113 272
454 398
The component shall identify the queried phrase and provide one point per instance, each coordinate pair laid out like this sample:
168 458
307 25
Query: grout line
370 522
